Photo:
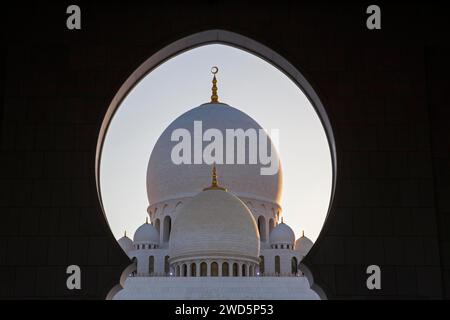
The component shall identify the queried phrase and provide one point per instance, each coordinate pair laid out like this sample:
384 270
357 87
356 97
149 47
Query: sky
245 82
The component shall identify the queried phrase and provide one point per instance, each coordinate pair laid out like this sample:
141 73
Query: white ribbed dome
282 234
303 245
214 223
146 233
125 243
166 180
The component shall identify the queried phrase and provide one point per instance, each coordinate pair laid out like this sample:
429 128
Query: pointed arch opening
167 228
277 265
233 40
262 228
203 269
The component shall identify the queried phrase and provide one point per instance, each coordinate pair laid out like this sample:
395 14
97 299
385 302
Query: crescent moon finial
214 96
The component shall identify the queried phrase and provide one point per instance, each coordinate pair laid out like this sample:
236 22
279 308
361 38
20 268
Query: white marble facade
220 288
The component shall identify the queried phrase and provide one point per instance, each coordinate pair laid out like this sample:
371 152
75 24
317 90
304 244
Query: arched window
151 265
167 228
225 269
262 228
214 269
203 269
178 271
166 264
271 224
277 264
184 270
193 270
244 270
294 265
261 265
235 269
157 223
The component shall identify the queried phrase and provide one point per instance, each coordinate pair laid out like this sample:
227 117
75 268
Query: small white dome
146 233
215 223
303 245
282 234
125 243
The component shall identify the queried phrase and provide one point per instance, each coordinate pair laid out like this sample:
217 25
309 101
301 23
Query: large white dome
166 180
214 223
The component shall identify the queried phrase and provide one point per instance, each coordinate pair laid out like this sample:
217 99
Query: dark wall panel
438 69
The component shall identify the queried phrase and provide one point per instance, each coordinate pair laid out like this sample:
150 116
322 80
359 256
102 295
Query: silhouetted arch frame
240 42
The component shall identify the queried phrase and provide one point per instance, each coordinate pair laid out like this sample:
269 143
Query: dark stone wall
385 92
438 70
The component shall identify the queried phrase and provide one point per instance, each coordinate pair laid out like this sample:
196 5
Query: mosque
216 231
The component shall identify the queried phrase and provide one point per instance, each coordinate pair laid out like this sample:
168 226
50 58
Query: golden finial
125 233
282 220
303 233
214 176
214 184
214 96
146 220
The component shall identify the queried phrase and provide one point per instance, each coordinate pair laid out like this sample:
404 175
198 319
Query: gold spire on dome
125 233
303 233
146 220
214 96
214 184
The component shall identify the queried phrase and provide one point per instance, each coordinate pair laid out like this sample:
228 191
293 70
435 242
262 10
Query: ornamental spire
214 96
214 176
214 183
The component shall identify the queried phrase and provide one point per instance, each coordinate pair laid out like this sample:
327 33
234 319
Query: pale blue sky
245 82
